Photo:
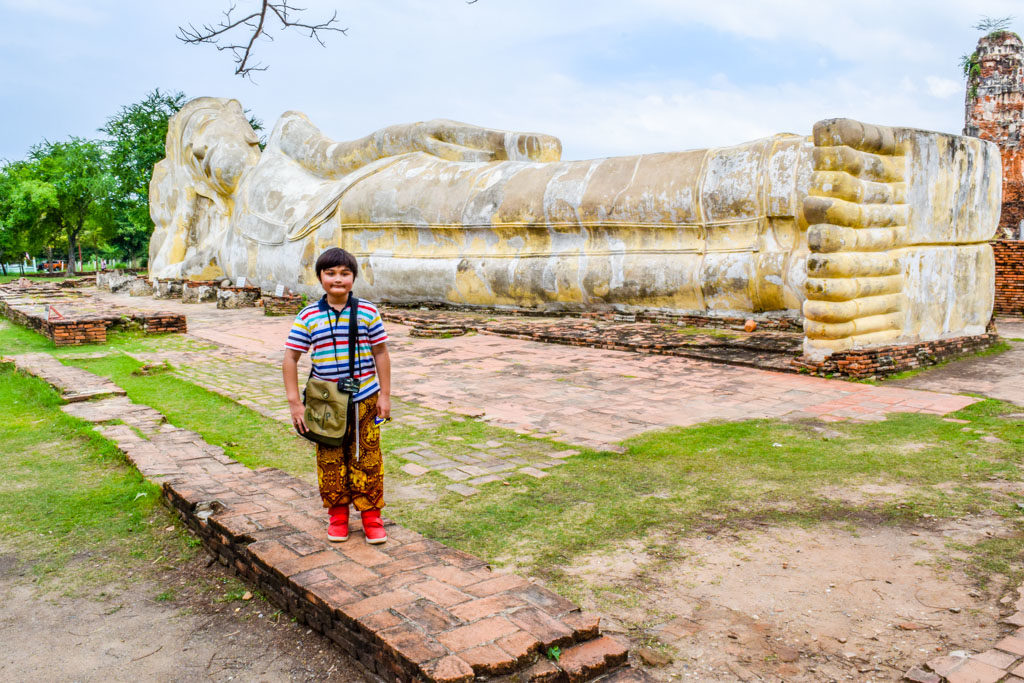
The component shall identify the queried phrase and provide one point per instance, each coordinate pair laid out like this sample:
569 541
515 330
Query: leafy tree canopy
61 190
137 135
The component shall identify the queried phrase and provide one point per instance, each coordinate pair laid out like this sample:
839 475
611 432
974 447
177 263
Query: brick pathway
409 609
587 397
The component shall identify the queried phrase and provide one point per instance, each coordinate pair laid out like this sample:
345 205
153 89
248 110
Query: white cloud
526 65
943 87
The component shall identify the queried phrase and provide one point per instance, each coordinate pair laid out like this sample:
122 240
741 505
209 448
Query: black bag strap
353 335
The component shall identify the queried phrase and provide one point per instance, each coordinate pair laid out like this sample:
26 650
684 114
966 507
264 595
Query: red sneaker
337 529
373 528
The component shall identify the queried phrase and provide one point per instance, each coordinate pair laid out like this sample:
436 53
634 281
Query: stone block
549 631
486 607
451 669
592 658
489 660
498 584
477 633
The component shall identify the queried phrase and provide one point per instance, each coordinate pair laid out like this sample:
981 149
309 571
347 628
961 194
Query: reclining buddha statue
873 235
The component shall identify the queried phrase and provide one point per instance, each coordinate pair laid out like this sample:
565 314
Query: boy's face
337 281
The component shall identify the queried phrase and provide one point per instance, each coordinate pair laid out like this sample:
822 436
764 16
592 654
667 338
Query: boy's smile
337 283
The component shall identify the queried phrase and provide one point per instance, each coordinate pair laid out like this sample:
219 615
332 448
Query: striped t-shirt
311 331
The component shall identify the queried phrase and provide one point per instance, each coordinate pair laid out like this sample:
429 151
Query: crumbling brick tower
995 111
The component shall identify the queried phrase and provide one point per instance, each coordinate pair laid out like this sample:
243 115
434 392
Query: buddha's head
212 137
210 145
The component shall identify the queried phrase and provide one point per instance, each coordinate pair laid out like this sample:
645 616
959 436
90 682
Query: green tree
62 189
24 204
137 135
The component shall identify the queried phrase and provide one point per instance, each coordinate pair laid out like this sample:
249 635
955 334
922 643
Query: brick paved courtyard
579 396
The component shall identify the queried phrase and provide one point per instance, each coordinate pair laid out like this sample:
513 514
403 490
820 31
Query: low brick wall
281 305
163 323
199 291
1009 297
238 297
167 288
76 329
75 332
774 322
889 360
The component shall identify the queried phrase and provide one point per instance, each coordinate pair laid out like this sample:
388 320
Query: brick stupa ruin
995 112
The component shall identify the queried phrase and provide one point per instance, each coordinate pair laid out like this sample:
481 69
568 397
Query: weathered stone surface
876 234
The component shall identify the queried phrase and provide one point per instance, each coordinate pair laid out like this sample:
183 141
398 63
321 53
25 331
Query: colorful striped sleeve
374 325
299 337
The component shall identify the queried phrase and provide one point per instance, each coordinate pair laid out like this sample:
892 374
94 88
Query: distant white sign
279 290
241 282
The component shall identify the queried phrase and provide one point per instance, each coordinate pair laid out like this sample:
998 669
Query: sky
607 78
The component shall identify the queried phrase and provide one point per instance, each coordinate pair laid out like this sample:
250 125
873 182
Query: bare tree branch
255 23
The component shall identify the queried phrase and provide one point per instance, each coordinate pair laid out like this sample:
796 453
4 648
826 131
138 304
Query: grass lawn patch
16 339
714 476
73 512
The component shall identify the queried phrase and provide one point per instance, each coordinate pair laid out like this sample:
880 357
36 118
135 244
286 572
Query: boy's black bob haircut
334 257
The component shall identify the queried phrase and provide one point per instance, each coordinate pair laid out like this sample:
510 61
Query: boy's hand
298 412
383 407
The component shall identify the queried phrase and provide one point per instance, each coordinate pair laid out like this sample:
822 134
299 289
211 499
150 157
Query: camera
348 385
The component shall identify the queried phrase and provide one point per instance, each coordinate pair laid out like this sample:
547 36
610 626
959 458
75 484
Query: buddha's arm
303 142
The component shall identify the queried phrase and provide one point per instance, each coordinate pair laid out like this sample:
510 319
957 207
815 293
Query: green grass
701 478
16 339
75 514
14 275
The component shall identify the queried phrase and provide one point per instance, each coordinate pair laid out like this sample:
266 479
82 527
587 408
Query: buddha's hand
456 141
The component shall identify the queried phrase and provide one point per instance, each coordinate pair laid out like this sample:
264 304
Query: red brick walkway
409 609
589 397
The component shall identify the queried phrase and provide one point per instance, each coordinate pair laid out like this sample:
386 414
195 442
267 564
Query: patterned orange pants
342 478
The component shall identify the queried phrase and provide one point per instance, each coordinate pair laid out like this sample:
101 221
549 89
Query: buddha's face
222 146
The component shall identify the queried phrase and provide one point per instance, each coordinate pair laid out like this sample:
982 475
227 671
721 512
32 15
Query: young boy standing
350 473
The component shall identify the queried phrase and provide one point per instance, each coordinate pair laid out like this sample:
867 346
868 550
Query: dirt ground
765 603
792 604
126 634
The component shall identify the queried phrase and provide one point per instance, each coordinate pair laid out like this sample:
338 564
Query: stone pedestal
199 291
114 280
140 287
167 288
282 305
238 297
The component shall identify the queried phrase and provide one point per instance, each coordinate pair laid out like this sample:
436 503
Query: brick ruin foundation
68 320
123 281
889 360
238 297
167 288
289 304
199 291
